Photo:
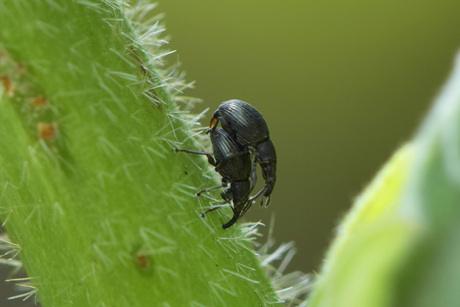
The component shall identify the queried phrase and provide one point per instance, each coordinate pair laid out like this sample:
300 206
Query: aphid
248 128
233 163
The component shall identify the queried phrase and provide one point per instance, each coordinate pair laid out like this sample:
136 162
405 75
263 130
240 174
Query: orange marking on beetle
213 122
8 85
47 131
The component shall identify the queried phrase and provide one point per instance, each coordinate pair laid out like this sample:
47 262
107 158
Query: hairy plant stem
103 210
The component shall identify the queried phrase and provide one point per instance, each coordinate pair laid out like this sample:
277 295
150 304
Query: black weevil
233 163
248 128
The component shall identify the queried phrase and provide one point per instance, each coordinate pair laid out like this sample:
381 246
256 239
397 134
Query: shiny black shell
233 161
243 122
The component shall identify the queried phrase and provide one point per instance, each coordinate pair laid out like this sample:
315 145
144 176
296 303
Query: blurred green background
342 84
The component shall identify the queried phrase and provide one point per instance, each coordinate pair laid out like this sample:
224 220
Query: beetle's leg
253 175
267 202
257 195
208 155
226 195
220 205
223 185
262 204
210 209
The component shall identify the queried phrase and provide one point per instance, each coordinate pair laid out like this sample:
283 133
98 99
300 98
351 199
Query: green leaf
370 243
400 244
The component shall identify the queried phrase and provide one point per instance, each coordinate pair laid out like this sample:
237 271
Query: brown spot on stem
39 102
143 261
47 131
8 85
21 69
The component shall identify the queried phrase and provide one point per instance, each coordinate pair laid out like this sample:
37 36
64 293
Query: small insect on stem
248 128
243 132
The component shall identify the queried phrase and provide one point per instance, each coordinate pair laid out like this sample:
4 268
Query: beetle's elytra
248 127
244 131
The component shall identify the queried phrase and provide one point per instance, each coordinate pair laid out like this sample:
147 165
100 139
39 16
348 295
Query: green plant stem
102 208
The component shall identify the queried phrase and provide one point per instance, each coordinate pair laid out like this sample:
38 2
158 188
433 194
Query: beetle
233 163
248 128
